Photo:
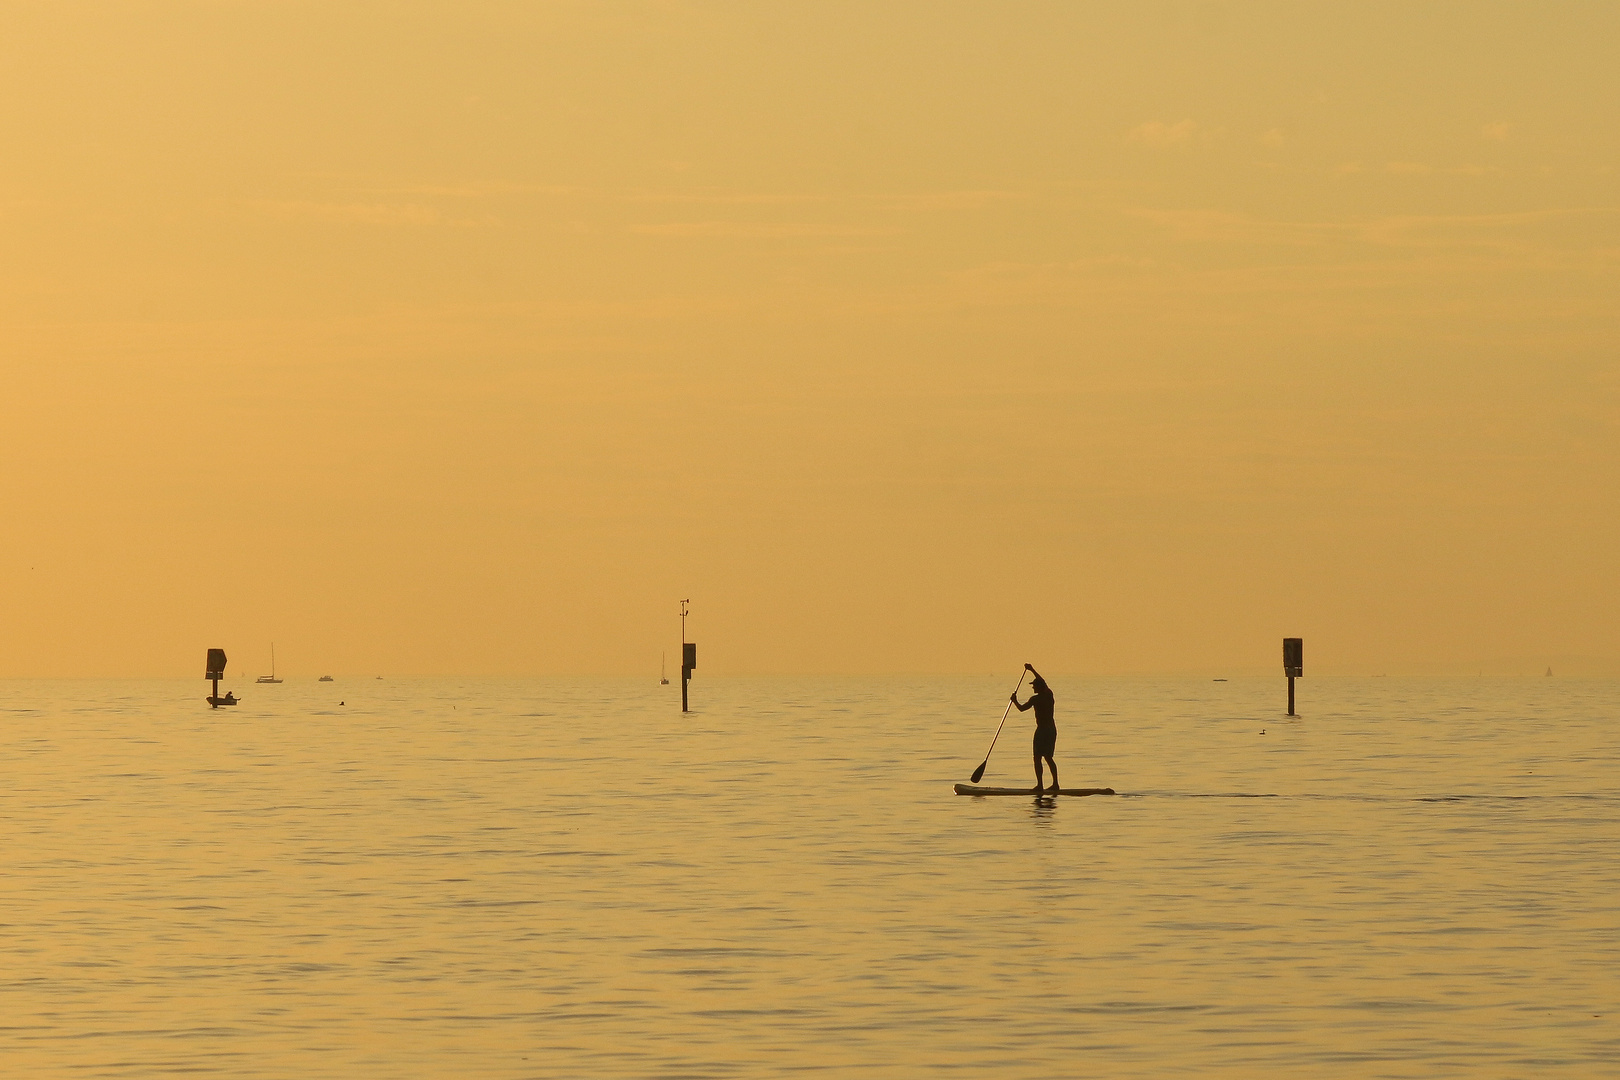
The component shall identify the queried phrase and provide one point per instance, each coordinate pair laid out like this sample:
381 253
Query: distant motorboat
270 678
324 678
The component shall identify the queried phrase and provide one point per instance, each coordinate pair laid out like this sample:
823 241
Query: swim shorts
1045 741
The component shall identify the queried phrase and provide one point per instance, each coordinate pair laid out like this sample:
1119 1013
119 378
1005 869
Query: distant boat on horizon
663 679
270 678
324 678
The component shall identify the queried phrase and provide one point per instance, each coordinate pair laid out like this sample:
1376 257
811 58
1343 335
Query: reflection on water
569 878
1042 807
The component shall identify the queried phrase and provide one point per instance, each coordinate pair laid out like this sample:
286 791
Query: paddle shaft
979 772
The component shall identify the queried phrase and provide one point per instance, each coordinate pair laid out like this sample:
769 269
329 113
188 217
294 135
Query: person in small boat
1042 701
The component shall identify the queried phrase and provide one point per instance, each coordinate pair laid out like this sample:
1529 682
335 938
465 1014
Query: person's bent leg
1052 764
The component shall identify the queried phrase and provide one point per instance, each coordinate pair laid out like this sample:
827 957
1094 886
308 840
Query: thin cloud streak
381 214
740 230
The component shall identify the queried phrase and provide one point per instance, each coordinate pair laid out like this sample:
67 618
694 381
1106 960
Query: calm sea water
503 879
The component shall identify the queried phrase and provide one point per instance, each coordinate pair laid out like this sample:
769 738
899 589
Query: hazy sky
925 337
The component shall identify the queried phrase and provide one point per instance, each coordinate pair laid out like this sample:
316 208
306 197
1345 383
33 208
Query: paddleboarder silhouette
1042 701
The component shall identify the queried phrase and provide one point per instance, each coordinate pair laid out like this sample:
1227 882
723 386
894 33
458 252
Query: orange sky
431 337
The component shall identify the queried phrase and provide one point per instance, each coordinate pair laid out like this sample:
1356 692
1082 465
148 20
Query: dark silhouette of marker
1293 665
688 656
216 672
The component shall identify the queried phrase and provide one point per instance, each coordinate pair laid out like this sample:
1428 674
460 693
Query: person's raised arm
1031 669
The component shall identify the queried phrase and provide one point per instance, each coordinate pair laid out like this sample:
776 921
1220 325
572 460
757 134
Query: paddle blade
978 774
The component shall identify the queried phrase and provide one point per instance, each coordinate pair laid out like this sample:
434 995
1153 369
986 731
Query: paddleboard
970 789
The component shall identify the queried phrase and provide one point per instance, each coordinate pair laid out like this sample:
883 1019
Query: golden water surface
504 879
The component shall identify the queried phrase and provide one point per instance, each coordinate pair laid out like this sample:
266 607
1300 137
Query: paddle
978 774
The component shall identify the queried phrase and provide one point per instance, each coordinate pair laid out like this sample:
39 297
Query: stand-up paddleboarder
1042 701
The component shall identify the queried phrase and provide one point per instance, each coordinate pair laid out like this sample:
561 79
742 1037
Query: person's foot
1053 789
1036 790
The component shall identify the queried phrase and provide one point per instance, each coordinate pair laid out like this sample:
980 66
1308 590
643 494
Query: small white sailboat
270 678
